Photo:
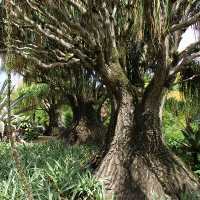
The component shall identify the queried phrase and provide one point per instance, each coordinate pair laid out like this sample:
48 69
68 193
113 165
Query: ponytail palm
41 96
122 41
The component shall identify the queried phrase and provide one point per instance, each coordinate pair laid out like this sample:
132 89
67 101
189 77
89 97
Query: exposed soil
42 139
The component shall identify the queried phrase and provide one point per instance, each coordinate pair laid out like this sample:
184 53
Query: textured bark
113 120
117 162
138 164
95 161
90 131
87 126
155 168
53 122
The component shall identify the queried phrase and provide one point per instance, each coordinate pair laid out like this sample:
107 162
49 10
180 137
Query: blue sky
15 79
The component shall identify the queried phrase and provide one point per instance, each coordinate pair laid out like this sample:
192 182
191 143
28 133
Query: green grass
54 170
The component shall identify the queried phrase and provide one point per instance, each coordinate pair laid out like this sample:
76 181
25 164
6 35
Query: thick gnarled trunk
138 164
53 122
155 168
87 125
90 127
89 131
116 164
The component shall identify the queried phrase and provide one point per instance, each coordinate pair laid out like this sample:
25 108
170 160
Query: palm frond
4 97
3 86
191 88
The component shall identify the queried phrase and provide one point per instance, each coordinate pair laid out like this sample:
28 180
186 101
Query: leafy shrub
31 133
41 117
181 141
106 122
192 138
175 137
171 129
68 116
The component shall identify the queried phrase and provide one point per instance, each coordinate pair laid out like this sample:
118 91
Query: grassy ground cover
55 170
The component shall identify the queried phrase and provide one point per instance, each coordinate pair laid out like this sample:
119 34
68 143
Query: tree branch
71 62
182 65
185 57
184 24
188 50
189 79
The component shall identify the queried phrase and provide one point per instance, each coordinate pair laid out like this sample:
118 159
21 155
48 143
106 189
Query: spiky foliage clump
3 103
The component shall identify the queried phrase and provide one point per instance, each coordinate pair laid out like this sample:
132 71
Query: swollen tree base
138 164
90 132
83 132
138 174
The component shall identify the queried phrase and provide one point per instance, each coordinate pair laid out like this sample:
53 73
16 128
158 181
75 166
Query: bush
68 116
171 129
41 117
179 140
31 133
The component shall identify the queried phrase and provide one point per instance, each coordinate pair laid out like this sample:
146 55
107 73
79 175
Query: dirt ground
43 138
